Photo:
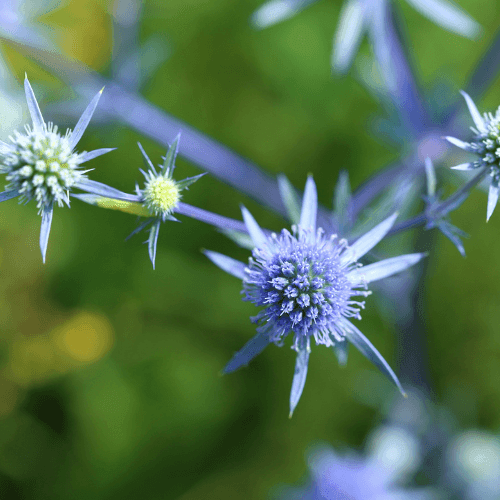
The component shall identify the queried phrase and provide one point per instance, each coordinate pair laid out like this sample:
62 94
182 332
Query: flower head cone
486 144
308 285
42 164
161 194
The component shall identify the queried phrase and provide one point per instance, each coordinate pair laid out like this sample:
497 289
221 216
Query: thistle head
40 164
303 285
161 194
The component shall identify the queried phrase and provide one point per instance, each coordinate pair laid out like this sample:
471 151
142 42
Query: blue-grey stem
390 49
486 71
441 209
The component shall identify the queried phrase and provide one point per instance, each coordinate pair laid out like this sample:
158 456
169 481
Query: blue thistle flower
486 144
305 281
42 164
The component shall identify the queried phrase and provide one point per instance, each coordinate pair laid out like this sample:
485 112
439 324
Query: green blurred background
109 374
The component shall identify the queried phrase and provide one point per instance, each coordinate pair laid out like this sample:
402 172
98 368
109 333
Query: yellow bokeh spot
85 338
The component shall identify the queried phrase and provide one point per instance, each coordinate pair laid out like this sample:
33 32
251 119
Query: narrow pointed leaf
231 266
251 349
342 201
147 161
275 11
8 195
141 226
309 210
448 16
299 377
45 229
185 183
87 156
492 198
153 241
476 116
101 189
385 268
290 198
464 166
364 244
457 142
430 175
169 163
341 350
36 115
348 36
368 350
241 239
84 120
453 203
453 234
256 233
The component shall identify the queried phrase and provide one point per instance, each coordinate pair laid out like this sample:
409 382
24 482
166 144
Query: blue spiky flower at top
305 282
486 144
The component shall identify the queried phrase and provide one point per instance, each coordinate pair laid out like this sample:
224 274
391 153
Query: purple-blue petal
47 213
299 377
251 349
153 241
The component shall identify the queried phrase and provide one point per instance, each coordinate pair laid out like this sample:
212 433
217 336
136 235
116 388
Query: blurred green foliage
109 375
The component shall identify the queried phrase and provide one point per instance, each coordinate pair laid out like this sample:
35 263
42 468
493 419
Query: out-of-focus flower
360 16
473 459
305 281
486 144
41 164
394 454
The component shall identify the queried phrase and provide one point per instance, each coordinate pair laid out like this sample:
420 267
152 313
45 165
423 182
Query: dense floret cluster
41 165
303 286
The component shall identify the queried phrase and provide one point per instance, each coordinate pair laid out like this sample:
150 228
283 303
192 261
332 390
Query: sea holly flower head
157 200
305 281
161 193
486 144
42 164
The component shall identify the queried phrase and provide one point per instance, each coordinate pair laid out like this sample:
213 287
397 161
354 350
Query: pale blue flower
307 283
473 460
486 144
42 164
359 17
354 477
